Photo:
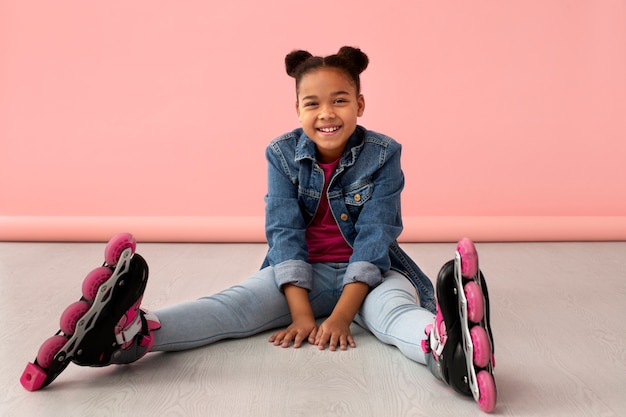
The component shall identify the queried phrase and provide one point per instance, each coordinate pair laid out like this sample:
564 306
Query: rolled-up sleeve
362 271
298 273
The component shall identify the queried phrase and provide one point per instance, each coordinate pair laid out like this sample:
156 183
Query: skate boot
106 326
459 345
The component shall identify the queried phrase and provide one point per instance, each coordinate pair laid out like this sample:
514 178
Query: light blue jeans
390 311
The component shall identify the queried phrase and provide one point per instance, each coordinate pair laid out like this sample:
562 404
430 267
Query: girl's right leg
106 326
254 306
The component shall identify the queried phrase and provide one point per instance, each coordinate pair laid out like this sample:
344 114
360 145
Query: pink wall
147 115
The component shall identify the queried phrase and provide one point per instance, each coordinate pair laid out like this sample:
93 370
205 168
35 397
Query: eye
341 101
309 104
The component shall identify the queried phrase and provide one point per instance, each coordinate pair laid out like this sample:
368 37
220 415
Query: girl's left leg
392 313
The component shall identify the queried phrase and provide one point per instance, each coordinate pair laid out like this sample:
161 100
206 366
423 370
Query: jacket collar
305 149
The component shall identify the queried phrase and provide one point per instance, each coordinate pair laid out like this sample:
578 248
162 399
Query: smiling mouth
329 129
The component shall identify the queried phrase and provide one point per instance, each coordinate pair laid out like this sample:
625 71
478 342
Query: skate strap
128 333
153 321
436 344
437 341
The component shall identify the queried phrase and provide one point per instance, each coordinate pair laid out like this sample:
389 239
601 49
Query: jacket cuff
298 273
363 271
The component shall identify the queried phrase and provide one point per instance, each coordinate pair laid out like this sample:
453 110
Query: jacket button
344 216
357 197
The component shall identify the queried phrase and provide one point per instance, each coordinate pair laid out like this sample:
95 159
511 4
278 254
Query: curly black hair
349 59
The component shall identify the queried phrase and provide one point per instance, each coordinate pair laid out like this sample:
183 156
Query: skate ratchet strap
127 334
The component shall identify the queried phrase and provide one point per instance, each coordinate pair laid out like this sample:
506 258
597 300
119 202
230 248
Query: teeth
329 129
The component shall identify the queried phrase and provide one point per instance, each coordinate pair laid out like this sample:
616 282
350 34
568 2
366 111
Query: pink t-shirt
323 237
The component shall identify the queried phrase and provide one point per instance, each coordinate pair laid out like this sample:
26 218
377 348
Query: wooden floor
559 323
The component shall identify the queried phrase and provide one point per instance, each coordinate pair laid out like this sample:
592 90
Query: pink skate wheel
93 280
482 347
475 302
469 257
48 349
33 377
71 315
487 391
115 247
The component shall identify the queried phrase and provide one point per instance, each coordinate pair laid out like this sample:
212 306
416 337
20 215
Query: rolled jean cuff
298 273
363 271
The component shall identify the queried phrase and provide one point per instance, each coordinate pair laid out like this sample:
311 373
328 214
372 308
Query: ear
361 105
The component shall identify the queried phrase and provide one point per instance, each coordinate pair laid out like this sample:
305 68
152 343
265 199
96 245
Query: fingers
313 336
334 340
321 337
284 338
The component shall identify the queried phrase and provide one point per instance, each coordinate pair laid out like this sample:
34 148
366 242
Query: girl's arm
302 319
335 330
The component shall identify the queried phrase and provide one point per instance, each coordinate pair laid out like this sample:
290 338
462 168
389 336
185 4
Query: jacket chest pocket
356 196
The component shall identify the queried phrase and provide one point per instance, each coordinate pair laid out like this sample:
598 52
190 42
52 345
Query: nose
326 112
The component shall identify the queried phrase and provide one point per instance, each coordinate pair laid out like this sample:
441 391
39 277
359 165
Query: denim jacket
364 198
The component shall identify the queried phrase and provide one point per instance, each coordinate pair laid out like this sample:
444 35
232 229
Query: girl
332 220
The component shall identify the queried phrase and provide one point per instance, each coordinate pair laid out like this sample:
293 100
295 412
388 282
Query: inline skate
106 326
459 345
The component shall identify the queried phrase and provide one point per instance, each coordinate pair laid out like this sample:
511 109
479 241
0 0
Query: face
328 107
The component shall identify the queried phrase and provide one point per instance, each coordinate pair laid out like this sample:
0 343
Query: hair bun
355 56
294 59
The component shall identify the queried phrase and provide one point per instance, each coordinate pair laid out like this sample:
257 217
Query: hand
334 331
297 333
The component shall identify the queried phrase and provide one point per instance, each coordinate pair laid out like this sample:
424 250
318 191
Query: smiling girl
332 223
